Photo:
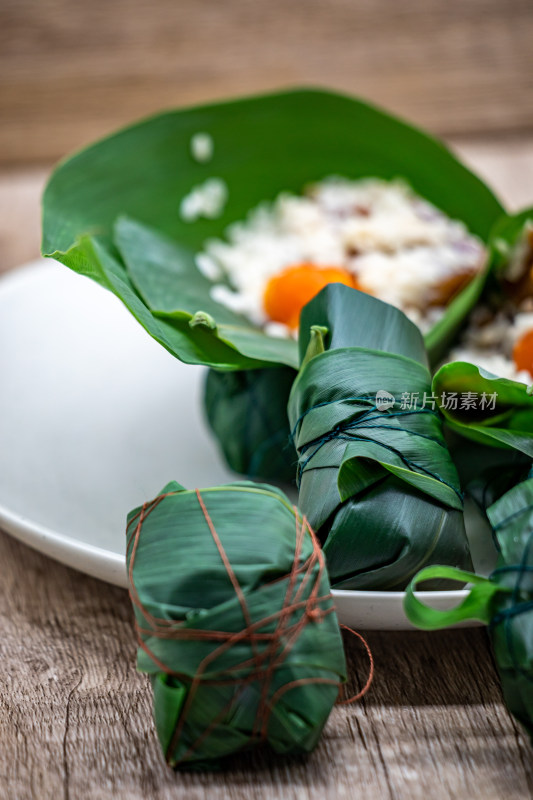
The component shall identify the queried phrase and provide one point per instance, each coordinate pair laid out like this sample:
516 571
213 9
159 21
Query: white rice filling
397 245
207 200
202 147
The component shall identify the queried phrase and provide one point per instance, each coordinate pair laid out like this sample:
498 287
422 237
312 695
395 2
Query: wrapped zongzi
236 623
504 601
375 477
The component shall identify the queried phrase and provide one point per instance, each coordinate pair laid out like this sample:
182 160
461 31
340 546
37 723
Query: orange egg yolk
288 292
523 352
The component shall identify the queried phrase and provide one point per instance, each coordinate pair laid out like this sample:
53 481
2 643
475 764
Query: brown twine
370 678
262 665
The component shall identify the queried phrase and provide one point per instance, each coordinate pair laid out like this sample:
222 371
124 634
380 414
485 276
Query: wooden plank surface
75 717
72 71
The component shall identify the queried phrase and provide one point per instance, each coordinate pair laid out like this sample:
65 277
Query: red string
370 678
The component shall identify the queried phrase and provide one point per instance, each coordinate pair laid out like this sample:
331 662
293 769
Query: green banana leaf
111 211
247 412
504 601
489 410
377 484
236 623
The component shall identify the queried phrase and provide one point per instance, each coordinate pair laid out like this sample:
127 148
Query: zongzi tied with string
374 235
504 601
375 477
237 628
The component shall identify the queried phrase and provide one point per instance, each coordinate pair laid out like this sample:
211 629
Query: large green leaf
263 145
196 344
377 484
165 277
235 620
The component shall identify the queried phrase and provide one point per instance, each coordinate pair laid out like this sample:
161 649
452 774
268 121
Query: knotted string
277 643
368 419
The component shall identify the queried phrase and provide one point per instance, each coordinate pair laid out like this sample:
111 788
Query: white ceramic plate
95 418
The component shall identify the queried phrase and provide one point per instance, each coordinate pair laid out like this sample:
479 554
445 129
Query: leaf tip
316 343
203 320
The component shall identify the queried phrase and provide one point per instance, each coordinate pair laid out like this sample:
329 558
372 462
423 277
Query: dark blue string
517 606
514 611
371 399
362 399
404 430
342 432
510 569
512 516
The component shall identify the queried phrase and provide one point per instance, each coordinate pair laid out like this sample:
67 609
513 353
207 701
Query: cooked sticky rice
393 244
501 341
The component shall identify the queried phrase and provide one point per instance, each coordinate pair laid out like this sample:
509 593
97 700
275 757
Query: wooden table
72 71
76 717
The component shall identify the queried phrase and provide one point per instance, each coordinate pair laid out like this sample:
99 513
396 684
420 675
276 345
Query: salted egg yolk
523 352
288 292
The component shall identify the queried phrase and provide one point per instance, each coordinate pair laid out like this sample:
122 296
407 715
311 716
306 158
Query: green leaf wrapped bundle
247 412
236 623
376 480
504 601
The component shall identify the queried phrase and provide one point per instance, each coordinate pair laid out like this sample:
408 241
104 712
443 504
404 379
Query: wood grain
70 72
76 717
